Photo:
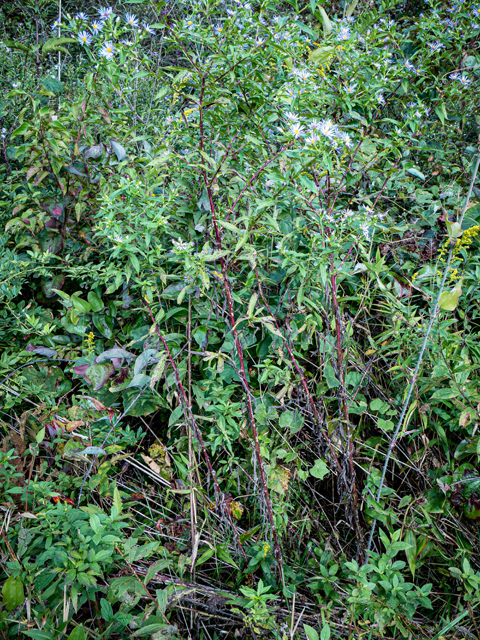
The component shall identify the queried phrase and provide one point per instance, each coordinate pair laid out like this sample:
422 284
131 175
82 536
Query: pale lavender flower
107 51
296 130
97 26
105 12
290 115
84 37
344 34
131 20
328 129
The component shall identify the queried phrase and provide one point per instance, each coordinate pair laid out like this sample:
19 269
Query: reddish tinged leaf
42 351
32 171
95 375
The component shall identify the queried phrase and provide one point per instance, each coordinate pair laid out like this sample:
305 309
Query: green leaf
94 301
441 112
310 632
204 557
13 593
40 436
107 610
78 633
223 555
117 500
319 469
411 552
327 25
330 377
38 635
53 85
449 299
351 8
325 632
175 415
55 44
80 305
416 173
321 55
229 226
119 150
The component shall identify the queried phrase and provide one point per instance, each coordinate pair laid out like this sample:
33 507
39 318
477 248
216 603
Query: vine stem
420 357
188 410
239 349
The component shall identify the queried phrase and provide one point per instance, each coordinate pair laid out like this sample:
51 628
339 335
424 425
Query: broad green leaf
94 301
119 150
319 469
449 299
13 593
310 632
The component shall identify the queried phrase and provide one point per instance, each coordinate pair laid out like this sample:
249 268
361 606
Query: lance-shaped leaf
119 150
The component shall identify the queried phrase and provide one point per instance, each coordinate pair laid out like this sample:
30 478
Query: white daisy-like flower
344 34
148 28
436 46
107 51
128 43
105 12
328 129
380 98
350 90
97 26
296 130
84 38
315 125
311 139
131 20
465 80
189 24
218 29
55 25
290 115
81 16
347 140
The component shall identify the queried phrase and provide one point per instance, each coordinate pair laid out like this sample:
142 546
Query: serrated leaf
55 44
319 469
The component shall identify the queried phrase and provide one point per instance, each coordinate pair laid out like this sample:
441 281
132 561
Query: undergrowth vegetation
239 322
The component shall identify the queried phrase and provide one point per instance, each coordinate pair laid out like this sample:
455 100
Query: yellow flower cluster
90 343
467 238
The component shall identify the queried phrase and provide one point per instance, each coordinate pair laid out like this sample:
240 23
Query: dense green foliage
225 229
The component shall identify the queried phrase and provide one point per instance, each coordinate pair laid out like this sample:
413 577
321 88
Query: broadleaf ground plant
225 229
